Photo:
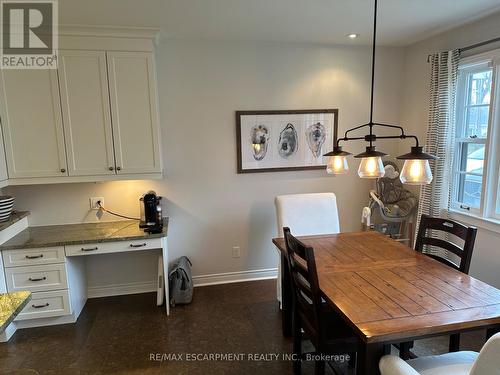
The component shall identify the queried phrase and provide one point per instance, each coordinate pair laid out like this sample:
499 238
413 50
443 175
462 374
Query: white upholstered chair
486 362
306 214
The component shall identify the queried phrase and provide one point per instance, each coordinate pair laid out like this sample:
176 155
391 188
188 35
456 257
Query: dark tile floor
119 335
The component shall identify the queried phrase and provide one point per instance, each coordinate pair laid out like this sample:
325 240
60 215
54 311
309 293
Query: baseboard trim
121 289
202 280
43 322
8 332
235 277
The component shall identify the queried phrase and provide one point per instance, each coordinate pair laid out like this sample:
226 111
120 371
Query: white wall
486 258
212 208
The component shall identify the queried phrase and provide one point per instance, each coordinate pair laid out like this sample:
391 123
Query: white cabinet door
32 123
3 162
86 113
134 114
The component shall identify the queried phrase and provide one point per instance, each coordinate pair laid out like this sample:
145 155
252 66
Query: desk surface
11 304
389 292
70 234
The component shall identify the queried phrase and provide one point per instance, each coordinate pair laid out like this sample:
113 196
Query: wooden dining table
389 293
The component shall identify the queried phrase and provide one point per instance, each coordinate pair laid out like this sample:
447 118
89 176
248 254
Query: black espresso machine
151 218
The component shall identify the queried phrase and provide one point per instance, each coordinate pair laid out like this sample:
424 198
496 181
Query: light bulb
416 172
256 147
371 167
337 165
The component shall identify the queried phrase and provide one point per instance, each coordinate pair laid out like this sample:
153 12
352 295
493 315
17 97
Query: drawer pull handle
38 279
90 249
34 256
40 306
138 245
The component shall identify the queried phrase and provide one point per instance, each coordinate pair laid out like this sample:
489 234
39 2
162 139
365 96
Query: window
475 182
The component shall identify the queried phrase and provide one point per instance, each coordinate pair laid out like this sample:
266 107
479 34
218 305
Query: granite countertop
14 218
71 234
11 304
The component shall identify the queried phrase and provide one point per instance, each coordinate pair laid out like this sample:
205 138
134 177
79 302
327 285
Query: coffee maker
151 218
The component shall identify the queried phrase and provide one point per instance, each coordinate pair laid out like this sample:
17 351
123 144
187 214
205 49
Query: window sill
490 224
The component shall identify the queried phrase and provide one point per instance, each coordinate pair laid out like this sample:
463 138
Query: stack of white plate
6 203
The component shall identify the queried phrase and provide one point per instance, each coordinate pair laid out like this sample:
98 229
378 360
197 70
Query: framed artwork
273 141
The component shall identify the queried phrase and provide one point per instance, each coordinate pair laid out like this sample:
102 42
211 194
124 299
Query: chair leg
319 368
297 347
404 350
454 342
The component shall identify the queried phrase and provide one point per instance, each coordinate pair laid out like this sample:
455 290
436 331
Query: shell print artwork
288 141
260 139
315 136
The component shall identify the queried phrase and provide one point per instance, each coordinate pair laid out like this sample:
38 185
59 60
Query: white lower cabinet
33 257
56 276
37 278
112 247
46 305
44 272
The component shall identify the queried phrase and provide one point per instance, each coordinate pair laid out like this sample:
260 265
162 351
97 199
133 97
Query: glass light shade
416 172
371 167
337 165
256 147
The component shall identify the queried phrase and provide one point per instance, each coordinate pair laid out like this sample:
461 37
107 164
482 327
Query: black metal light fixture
416 169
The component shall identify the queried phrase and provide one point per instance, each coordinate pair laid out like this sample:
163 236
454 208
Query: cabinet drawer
28 257
46 304
37 278
112 247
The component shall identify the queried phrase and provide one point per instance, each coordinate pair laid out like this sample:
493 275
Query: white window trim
484 217
491 225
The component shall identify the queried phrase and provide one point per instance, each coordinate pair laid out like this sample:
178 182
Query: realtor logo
29 34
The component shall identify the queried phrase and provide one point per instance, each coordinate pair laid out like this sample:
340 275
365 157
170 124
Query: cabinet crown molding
108 38
110 31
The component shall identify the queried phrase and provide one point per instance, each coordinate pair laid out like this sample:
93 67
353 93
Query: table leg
404 350
491 331
369 356
454 342
286 299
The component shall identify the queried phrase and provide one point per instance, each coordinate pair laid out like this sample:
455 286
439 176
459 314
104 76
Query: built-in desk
49 261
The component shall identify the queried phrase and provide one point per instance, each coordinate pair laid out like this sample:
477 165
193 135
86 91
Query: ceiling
401 22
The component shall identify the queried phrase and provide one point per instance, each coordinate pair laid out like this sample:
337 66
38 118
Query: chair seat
457 363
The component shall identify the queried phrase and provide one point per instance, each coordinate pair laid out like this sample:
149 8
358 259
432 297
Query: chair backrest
307 214
305 285
488 361
467 234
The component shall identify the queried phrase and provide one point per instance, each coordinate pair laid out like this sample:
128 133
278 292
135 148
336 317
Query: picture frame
284 140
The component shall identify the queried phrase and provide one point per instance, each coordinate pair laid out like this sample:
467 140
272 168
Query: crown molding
110 31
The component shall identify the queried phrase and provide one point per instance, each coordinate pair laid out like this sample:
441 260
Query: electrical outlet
93 202
236 252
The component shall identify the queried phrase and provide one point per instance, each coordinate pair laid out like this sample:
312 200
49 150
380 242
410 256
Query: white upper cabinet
86 113
134 112
3 164
32 123
95 118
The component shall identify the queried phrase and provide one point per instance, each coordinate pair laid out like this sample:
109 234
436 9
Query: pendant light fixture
416 168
